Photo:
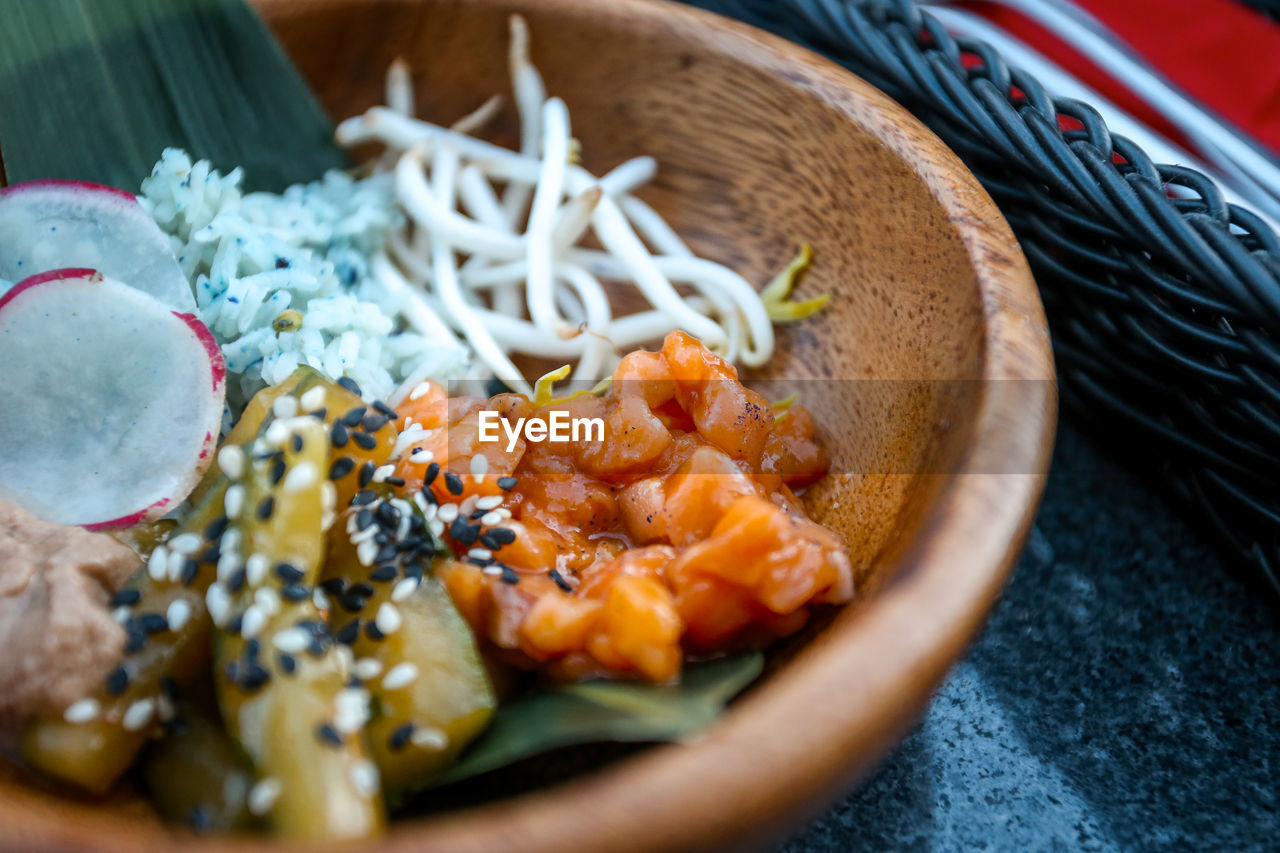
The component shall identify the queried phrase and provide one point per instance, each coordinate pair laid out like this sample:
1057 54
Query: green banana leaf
599 711
94 90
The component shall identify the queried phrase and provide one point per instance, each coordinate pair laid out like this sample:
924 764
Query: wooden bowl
931 379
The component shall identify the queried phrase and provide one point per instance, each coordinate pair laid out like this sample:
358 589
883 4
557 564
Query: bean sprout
491 249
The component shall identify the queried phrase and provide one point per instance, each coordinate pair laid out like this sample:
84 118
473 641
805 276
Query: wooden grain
761 145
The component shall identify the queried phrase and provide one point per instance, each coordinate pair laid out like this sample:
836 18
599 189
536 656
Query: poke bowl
927 373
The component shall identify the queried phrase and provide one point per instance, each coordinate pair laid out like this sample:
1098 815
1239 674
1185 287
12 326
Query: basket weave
1164 304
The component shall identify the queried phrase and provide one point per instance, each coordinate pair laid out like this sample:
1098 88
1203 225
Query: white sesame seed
492 570
218 602
352 527
329 496
231 461
381 473
138 715
252 623
304 475
431 510
364 775
420 455
82 711
367 669
436 526
404 588
420 390
479 466
447 513
173 567
366 551
351 709
233 501
480 554
327 518
122 614
313 399
185 543
230 541
177 614
468 505
319 599
489 502
503 511
227 564
158 563
255 569
362 536
285 407
262 796
491 519
267 600
276 434
164 708
399 676
388 619
292 640
429 737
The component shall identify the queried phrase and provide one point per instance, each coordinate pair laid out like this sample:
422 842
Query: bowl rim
970 537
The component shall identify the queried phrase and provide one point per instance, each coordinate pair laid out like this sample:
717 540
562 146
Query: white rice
252 257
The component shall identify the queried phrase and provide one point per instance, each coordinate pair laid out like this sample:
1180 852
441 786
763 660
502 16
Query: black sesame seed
333 586
313 626
482 563
480 513
278 466
433 470
267 507
367 471
416 524
509 575
198 818
234 624
297 442
414 570
366 441
318 647
236 581
363 590
395 481
189 571
429 496
503 535
136 640
462 532
152 623
214 529
453 483
347 633
507 483
353 417
286 663
560 581
487 540
232 672
210 554
371 631
125 598
350 385
351 603
382 574
252 648
386 410
353 681
373 423
174 726
320 414
400 737
289 573
341 467
117 681
364 497
338 436
328 735
168 687
386 553
254 676
388 515
364 518
295 592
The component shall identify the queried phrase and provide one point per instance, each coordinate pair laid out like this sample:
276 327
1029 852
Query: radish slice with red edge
110 401
47 225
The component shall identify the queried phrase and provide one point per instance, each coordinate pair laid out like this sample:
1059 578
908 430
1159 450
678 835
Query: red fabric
1221 53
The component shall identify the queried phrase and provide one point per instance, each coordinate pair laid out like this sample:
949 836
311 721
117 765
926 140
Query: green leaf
94 90
598 711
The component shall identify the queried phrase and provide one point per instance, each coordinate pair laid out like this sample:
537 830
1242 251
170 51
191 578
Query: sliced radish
110 401
47 225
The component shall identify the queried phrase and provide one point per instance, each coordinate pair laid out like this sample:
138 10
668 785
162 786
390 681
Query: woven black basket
1165 311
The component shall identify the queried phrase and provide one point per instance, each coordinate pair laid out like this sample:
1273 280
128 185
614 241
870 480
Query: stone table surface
1125 695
